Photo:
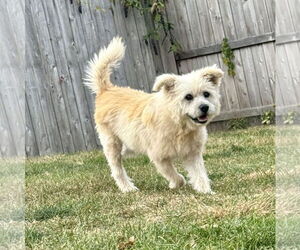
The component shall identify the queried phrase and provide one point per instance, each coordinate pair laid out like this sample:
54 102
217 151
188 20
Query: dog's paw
203 188
204 191
178 183
210 192
129 188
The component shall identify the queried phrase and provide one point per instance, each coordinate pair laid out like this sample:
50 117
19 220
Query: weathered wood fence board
61 36
288 52
12 101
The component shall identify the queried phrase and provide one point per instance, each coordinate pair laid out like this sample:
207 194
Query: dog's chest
182 144
188 143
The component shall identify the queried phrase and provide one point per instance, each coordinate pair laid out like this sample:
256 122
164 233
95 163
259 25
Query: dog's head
193 97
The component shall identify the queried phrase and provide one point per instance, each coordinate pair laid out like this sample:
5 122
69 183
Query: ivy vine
228 57
156 8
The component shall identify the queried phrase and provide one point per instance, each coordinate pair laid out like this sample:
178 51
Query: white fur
100 67
163 125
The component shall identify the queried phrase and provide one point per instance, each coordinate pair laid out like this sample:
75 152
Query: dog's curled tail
100 67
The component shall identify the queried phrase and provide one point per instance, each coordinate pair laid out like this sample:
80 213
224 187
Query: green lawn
73 203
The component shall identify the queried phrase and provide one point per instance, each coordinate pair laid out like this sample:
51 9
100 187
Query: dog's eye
206 94
189 97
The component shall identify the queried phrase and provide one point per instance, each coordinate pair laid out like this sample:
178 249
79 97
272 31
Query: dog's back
120 101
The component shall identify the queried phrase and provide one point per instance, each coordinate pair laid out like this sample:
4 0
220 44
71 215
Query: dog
167 124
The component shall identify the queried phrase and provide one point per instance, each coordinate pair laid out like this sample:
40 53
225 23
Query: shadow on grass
49 212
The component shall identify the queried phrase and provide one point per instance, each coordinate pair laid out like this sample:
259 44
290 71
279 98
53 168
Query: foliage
72 201
238 123
290 117
156 8
268 117
227 57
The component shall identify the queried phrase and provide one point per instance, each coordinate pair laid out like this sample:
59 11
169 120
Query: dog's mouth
200 119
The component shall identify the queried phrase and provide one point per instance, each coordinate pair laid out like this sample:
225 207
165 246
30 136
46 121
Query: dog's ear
212 74
165 81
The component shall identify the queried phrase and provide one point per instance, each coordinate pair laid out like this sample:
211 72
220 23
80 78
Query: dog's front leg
198 177
167 170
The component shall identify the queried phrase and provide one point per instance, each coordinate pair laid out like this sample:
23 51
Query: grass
288 187
73 203
11 203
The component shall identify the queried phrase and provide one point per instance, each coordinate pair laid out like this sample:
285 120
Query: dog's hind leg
167 170
112 148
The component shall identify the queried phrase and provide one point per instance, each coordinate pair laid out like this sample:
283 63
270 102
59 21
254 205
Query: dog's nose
204 108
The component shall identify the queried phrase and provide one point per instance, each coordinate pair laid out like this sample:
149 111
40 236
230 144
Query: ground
73 203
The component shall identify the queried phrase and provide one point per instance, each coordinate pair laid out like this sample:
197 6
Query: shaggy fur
164 125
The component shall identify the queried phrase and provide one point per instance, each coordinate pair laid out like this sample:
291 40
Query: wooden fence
288 55
62 35
12 63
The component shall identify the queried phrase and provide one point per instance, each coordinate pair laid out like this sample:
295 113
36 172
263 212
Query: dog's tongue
202 118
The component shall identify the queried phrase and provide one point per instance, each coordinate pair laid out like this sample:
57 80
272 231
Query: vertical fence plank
12 79
262 75
182 24
251 79
216 20
37 75
36 114
213 59
77 42
121 29
75 74
286 90
194 23
66 73
294 10
109 25
293 54
31 147
270 6
148 61
7 144
136 53
218 31
240 78
229 32
49 67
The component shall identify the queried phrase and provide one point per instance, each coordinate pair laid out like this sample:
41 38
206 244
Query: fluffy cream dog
165 125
